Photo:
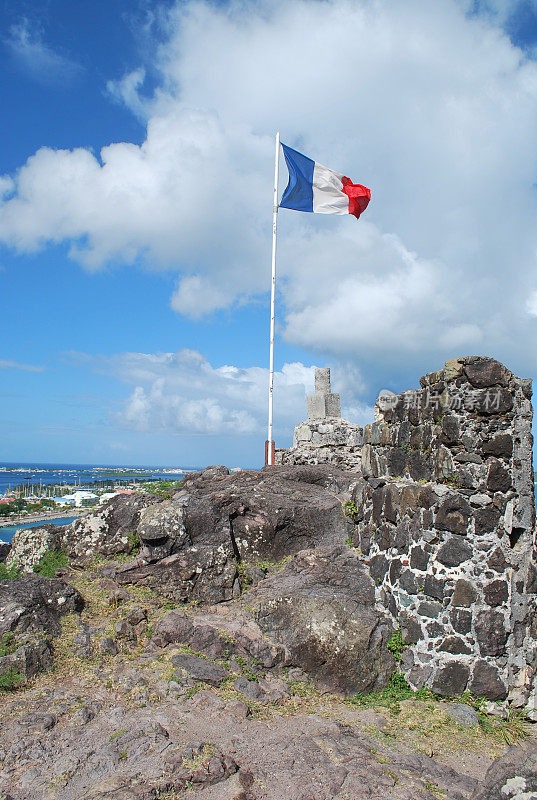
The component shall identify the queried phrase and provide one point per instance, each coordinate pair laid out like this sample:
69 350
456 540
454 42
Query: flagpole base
270 449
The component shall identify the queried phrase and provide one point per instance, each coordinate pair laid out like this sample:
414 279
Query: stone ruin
445 518
325 437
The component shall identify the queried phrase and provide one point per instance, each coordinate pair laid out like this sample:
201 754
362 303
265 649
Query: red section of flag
359 196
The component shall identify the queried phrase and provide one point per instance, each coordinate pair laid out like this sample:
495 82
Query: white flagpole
269 447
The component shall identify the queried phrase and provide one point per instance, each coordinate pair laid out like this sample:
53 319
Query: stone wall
445 517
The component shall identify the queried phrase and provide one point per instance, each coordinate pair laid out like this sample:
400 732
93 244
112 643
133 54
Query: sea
7 532
30 474
13 474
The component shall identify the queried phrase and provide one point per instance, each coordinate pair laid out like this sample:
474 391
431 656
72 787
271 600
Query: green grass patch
9 573
10 680
8 644
134 542
397 690
50 561
162 488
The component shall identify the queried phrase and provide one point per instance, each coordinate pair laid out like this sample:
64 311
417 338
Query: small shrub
396 645
8 644
134 542
116 734
10 680
49 562
164 489
350 510
9 573
245 579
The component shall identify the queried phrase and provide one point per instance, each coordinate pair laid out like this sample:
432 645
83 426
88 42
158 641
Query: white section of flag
328 194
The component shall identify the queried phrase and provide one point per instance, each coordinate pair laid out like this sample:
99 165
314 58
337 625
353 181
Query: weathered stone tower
325 437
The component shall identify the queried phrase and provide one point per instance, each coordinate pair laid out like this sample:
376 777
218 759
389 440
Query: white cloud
39 60
431 106
127 91
8 364
183 393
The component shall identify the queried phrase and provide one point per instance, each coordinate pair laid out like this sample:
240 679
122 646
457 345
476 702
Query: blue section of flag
298 194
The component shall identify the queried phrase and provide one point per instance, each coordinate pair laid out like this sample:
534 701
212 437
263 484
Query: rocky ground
131 710
238 655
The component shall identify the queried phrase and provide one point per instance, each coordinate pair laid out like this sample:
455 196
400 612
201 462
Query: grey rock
30 544
486 520
320 606
429 609
200 669
201 573
35 603
31 655
107 646
136 615
455 645
464 594
106 531
498 479
451 679
486 372
454 552
434 587
491 633
513 776
453 515
496 592
486 682
124 630
500 446
251 689
461 620
462 714
419 558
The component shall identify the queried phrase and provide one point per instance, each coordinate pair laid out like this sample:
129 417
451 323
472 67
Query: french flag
313 187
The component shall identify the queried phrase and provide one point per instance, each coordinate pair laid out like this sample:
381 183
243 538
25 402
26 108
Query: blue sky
134 278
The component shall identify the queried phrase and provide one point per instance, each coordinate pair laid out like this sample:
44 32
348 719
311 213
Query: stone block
434 587
315 406
451 679
454 552
486 682
419 558
322 380
429 609
491 633
454 645
332 405
461 620
496 592
453 515
464 594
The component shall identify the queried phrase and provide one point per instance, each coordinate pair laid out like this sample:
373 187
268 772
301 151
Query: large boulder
512 777
27 655
34 603
109 530
270 513
204 574
191 544
30 544
321 608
